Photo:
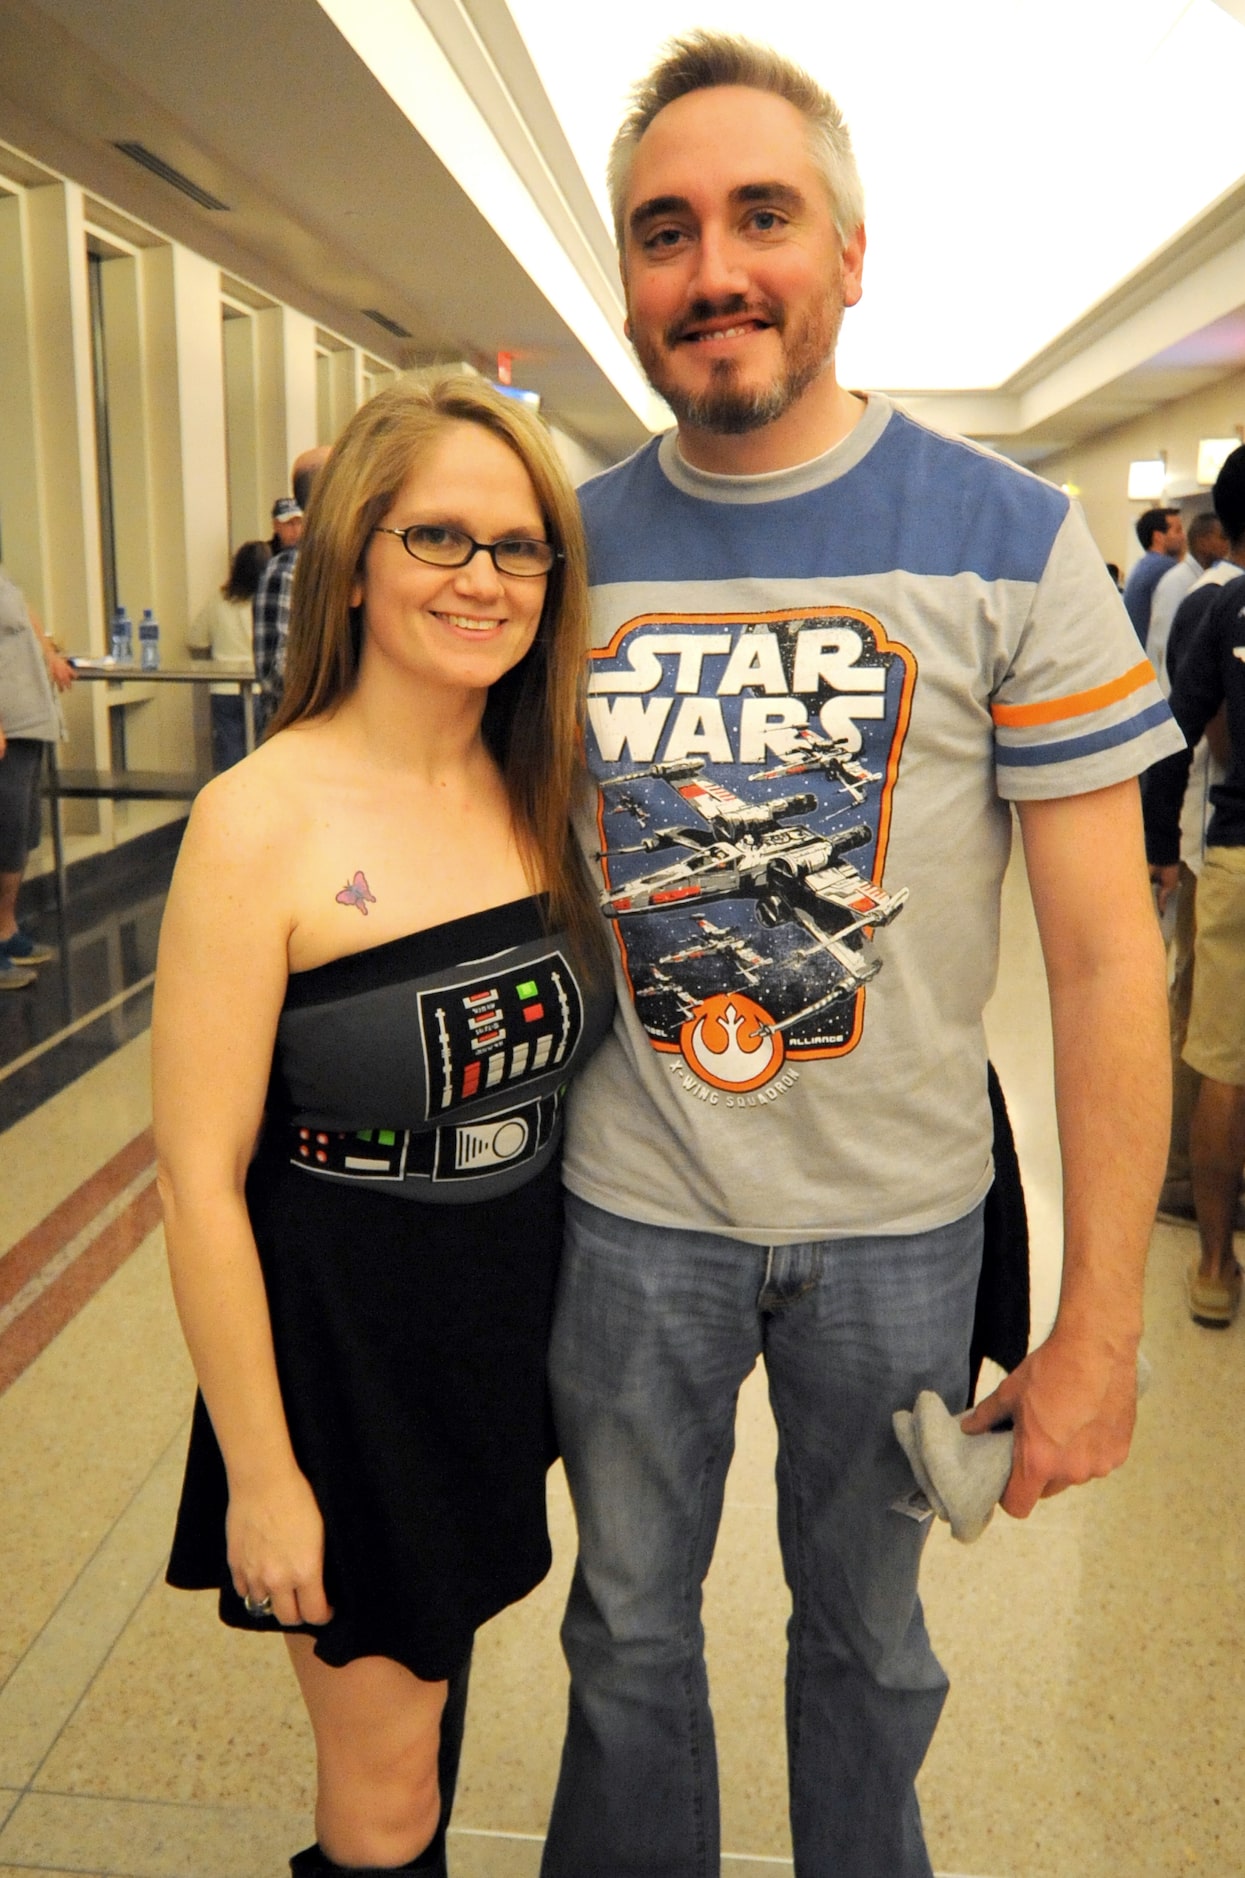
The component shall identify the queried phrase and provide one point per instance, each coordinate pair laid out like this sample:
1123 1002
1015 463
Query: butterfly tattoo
356 892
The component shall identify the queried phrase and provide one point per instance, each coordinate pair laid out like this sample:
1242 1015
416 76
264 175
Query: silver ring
258 1607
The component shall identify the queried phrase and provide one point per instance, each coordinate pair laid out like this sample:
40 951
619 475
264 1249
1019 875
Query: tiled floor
98 993
1097 1653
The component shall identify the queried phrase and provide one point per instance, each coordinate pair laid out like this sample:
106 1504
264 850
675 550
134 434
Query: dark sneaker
1176 1201
14 977
21 949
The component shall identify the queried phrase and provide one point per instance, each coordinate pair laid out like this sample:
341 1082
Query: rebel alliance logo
730 1041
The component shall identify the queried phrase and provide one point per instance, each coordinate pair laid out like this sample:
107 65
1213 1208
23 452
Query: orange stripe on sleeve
1078 704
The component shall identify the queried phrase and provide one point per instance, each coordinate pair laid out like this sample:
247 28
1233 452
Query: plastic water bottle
122 637
148 642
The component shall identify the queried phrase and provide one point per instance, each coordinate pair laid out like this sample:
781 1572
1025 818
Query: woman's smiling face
456 628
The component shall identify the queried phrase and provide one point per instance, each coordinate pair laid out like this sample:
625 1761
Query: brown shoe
1213 1302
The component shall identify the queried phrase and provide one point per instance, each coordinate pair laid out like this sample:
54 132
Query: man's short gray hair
701 60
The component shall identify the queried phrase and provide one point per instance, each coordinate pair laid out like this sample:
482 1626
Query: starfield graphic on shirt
754 944
502 1028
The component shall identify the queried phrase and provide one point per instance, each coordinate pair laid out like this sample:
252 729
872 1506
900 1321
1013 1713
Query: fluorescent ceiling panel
1212 454
1147 477
1020 157
399 49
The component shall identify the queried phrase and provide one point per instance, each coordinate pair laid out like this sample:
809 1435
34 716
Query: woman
224 628
354 942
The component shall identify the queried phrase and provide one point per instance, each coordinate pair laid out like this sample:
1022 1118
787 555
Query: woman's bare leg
377 1730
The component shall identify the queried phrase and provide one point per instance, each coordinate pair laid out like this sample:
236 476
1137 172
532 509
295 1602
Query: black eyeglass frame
474 547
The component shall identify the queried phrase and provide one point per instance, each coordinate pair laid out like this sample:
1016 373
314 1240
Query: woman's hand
275 1538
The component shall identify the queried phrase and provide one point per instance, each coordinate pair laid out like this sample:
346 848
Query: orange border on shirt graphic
881 643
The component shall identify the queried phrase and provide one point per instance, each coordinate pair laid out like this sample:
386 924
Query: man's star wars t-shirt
813 695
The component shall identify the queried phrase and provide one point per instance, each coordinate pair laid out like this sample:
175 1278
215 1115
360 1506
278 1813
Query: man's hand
1166 880
60 671
1073 1403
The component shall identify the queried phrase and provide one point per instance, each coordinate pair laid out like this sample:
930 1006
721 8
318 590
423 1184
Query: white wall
175 472
1100 468
579 462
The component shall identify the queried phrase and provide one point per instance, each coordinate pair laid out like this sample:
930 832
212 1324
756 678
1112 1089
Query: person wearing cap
287 525
276 587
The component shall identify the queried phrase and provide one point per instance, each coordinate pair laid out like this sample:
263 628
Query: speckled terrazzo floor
1097 1653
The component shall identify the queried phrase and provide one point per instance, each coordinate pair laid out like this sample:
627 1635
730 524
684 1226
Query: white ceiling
1020 157
1056 201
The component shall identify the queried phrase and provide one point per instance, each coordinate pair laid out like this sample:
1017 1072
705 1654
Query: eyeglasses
520 555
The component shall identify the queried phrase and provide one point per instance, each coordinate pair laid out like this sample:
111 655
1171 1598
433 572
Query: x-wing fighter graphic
757 851
662 985
811 753
629 803
723 939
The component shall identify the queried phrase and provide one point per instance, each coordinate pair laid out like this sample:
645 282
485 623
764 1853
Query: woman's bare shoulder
259 805
263 791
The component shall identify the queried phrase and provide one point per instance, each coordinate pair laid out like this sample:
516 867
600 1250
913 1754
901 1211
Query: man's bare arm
1073 1399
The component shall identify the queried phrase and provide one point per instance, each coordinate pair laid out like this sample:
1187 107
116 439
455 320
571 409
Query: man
1161 534
1207 545
1210 673
287 524
32 671
1205 771
272 596
828 640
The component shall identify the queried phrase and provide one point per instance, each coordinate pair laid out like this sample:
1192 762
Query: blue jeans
655 1331
228 733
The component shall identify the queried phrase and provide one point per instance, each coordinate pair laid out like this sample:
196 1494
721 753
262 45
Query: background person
275 591
1207 545
378 927
287 524
224 628
31 673
1161 534
1206 770
1208 676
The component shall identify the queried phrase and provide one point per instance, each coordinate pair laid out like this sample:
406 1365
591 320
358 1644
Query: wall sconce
1211 454
1146 478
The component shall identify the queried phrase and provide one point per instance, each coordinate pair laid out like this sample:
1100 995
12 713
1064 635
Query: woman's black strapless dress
406 1204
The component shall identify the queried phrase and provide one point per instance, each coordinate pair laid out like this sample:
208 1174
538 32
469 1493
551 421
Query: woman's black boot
453 1720
313 1863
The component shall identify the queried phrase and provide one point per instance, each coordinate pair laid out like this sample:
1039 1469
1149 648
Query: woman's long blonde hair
534 714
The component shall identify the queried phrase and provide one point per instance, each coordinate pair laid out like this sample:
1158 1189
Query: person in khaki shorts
1211 674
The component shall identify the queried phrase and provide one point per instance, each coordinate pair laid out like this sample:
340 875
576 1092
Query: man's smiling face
734 273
